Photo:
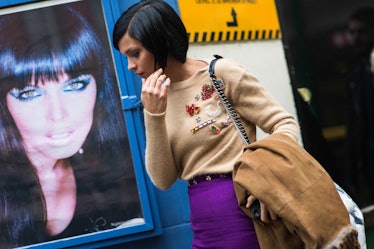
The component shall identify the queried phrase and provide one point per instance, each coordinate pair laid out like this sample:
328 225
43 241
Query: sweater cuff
154 121
147 113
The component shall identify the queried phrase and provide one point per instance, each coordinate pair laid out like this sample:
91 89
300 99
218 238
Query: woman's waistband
207 177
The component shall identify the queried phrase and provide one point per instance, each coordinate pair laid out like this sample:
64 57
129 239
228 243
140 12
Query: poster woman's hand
154 92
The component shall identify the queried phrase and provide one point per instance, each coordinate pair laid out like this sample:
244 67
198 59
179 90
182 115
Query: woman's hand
265 212
154 92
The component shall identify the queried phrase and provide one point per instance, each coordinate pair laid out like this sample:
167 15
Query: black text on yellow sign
230 20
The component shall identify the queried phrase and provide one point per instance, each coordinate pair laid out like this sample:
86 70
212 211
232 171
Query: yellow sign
229 20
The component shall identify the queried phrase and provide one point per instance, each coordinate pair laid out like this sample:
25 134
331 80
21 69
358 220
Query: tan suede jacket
285 177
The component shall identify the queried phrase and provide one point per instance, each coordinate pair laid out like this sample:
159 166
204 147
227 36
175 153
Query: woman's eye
78 84
26 94
135 54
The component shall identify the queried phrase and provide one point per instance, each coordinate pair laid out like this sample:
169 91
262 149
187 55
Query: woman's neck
59 189
178 71
57 181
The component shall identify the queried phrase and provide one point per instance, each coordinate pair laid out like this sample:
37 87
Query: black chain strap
226 103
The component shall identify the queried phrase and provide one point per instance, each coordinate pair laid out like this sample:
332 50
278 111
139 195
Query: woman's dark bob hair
156 25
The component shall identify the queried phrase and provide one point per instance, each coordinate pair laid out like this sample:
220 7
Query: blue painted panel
173 204
177 237
14 2
175 200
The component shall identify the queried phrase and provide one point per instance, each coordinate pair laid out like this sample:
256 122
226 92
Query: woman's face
140 60
54 117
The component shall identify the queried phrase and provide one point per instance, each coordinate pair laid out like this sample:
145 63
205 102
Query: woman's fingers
165 85
250 200
266 214
154 92
154 82
273 215
151 81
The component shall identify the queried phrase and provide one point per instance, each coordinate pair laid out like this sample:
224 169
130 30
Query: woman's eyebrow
129 50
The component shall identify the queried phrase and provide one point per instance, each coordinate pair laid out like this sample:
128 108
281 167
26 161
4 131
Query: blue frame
130 86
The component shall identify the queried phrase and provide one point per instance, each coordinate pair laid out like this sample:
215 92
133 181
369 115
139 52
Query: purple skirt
216 219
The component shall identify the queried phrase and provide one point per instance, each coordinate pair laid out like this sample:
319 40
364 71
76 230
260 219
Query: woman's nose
56 108
130 65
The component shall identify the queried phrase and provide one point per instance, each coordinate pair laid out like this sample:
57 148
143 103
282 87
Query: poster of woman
65 161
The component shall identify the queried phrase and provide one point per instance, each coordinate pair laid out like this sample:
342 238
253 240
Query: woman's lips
60 138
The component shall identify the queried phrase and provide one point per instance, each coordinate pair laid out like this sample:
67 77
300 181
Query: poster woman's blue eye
26 94
77 84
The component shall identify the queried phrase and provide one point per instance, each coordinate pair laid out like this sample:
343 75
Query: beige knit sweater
174 151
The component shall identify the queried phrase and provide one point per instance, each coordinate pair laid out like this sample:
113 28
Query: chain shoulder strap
226 103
